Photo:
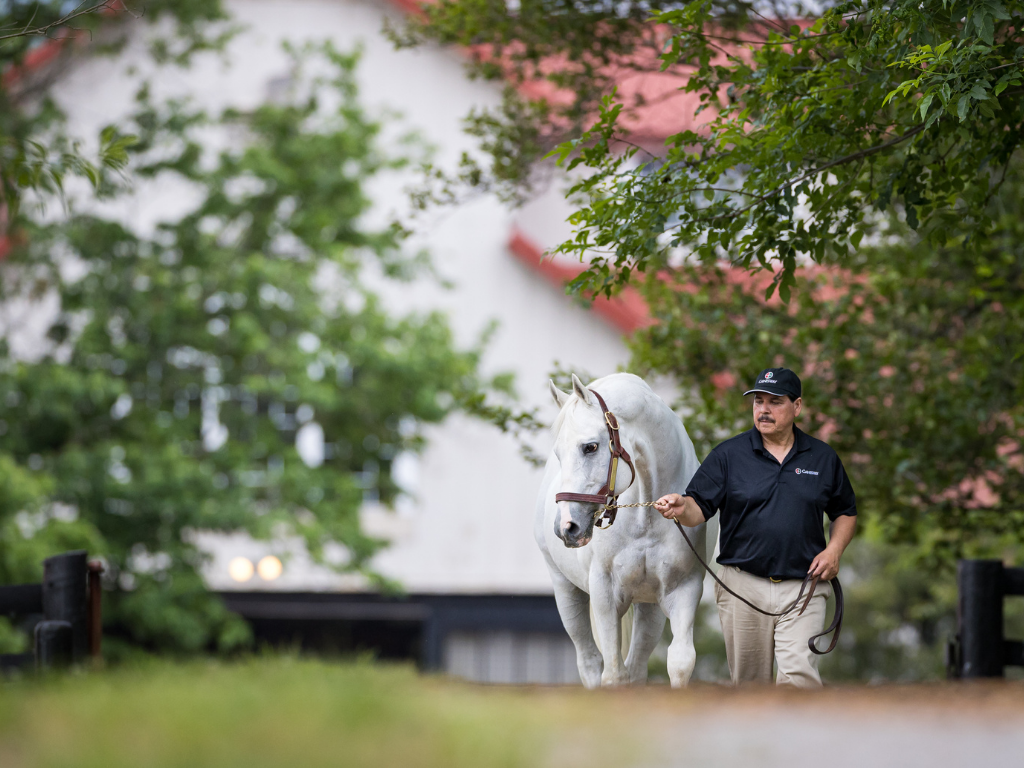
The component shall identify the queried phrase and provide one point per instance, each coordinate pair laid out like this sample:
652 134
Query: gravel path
886 727
805 737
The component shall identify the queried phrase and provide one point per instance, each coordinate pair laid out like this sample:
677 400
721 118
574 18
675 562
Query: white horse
641 560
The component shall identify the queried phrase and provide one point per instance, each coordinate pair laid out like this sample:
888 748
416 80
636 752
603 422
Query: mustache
767 418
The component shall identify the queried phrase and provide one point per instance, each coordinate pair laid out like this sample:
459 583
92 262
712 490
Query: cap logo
769 375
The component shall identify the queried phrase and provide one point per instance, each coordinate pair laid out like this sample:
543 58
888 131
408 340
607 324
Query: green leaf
997 9
986 28
925 103
962 106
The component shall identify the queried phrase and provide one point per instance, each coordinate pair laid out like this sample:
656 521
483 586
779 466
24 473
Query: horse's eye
590 448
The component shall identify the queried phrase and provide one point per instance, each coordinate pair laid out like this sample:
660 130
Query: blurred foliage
913 369
38 40
898 616
184 367
810 127
12 639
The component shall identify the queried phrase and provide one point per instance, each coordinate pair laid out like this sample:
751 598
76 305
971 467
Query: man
772 484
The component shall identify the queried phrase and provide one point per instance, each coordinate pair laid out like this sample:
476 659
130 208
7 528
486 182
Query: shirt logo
805 471
769 375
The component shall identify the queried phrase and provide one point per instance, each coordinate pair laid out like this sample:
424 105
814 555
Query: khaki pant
753 640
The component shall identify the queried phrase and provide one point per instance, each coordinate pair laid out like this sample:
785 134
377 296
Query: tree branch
822 168
79 11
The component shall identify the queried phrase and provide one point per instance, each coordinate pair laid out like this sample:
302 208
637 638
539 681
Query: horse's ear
581 391
559 395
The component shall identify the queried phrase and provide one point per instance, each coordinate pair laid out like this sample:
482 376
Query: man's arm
681 508
840 533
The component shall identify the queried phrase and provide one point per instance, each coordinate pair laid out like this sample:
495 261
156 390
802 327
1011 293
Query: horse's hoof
611 681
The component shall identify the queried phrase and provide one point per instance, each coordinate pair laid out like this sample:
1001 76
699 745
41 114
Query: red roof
664 110
627 310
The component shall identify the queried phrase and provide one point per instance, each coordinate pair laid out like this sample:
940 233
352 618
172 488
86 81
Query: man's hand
682 508
840 533
670 505
826 564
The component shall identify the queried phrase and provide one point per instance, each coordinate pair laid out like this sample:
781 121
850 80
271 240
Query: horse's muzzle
574 535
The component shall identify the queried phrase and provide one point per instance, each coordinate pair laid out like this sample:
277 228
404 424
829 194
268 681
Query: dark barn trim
420 622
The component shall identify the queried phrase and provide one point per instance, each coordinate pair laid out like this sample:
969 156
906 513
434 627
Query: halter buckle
608 420
605 514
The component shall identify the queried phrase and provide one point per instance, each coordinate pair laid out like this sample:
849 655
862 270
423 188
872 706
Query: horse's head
581 447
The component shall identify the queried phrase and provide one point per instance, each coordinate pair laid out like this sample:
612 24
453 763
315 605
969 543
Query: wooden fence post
65 597
981 650
95 610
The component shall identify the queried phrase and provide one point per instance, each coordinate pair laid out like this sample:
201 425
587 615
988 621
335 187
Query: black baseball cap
777 381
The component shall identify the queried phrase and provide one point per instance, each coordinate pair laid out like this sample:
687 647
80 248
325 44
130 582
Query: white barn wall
468 526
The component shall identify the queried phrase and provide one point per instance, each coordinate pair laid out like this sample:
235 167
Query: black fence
979 649
63 612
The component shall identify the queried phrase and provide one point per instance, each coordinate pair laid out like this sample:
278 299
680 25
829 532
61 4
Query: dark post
980 618
54 644
64 597
431 649
95 610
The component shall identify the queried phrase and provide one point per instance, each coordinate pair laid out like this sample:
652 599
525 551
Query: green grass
279 711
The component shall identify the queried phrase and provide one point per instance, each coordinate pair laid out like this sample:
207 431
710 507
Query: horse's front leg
608 612
681 607
574 608
648 627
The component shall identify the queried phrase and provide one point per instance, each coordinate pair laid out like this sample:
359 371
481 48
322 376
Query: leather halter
607 495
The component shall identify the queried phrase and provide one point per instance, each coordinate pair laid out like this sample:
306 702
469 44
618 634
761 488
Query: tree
912 367
183 365
37 156
814 123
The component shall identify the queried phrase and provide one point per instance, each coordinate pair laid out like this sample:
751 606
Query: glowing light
240 569
269 568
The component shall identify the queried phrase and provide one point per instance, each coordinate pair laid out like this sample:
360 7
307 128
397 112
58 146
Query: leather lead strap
837 588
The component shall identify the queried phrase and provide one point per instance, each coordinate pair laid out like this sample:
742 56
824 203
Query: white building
465 531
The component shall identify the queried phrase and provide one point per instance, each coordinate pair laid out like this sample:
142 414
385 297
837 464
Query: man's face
774 414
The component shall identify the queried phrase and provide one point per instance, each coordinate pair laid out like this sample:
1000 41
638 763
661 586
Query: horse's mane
563 414
573 401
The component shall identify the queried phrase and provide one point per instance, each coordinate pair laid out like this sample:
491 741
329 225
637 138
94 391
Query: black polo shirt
771 512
